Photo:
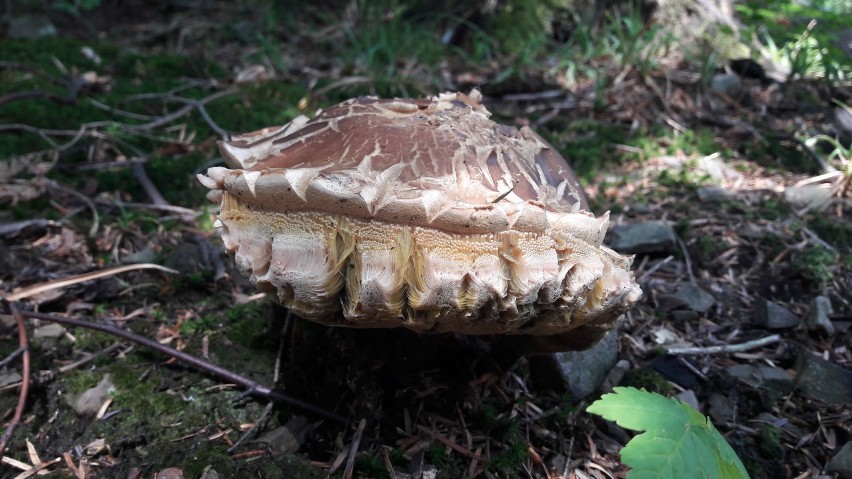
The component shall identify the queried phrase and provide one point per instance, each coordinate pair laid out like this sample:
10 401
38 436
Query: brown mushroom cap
421 214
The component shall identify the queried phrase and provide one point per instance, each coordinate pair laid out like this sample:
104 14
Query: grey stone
771 315
823 380
186 259
577 372
31 26
775 379
288 438
48 331
10 377
91 400
615 375
695 298
689 398
711 193
720 408
726 84
146 255
209 473
841 463
647 237
817 319
717 169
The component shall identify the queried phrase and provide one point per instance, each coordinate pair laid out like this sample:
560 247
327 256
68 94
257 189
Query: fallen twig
725 348
35 289
353 450
252 388
25 379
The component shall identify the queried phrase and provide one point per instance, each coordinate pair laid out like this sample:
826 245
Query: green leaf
677 441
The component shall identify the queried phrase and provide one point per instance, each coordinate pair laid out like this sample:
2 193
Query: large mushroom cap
421 214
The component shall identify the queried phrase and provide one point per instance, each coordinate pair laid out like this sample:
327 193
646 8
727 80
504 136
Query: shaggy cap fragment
421 214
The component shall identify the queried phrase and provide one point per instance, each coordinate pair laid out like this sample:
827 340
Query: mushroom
421 214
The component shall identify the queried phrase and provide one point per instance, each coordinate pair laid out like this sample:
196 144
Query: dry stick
79 278
179 210
353 450
85 128
725 348
145 181
25 379
96 219
11 357
252 387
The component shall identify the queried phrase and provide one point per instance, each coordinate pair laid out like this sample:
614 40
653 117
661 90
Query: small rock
841 463
647 237
689 398
31 26
677 370
170 473
691 297
48 331
823 380
720 408
9 377
775 379
185 258
817 320
717 169
146 255
90 402
578 372
771 315
209 473
809 197
615 375
288 438
726 84
708 194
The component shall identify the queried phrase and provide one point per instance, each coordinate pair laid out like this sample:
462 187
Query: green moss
816 264
648 379
770 442
588 145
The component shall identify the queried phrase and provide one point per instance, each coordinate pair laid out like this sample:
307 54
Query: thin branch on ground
35 289
23 343
252 388
725 348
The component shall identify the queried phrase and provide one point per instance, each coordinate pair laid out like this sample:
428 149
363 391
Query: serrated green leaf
676 441
640 411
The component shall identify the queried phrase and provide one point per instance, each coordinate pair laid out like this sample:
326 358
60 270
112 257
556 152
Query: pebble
689 297
91 400
771 315
707 194
817 320
769 377
577 372
726 84
720 408
288 438
647 237
823 380
841 463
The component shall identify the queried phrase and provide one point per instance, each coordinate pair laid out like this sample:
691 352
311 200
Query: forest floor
104 126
